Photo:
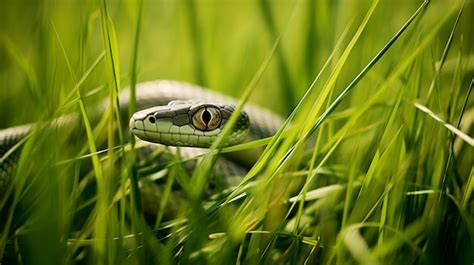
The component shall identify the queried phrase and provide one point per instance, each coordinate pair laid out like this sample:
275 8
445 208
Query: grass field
375 164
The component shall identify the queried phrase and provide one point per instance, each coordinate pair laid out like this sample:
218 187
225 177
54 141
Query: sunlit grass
373 165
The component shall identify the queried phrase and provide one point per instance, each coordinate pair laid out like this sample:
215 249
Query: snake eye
151 119
207 119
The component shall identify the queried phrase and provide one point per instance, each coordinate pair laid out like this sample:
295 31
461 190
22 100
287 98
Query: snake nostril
151 119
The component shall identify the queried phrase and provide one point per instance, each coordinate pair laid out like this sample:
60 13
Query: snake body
152 97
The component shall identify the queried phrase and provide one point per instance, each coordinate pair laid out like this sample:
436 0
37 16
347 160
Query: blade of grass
287 150
18 57
132 162
194 32
369 66
394 76
469 140
283 71
105 226
283 131
445 53
358 247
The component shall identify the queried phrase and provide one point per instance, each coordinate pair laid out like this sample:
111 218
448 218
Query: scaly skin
149 94
173 124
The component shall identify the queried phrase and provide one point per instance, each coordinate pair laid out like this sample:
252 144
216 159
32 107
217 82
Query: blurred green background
221 44
218 44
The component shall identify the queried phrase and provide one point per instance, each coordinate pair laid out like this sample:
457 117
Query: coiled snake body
193 118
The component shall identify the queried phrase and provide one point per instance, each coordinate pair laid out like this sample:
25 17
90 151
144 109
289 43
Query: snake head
188 123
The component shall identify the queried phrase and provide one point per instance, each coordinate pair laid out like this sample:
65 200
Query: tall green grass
374 164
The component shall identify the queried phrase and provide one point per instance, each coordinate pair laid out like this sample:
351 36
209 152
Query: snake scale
154 96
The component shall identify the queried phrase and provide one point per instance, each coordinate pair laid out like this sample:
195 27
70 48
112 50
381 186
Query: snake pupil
151 119
206 117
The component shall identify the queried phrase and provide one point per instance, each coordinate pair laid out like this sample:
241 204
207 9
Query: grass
374 164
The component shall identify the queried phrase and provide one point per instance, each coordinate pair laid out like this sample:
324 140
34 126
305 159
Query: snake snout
137 125
195 124
134 126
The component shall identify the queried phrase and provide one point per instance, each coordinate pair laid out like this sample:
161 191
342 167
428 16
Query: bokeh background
221 45
218 44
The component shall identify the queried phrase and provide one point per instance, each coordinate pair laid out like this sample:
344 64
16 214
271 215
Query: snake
171 113
188 123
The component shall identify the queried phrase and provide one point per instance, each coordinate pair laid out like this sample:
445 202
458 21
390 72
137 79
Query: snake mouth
135 130
131 124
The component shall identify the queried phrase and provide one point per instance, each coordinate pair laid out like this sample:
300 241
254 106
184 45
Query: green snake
171 113
188 123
